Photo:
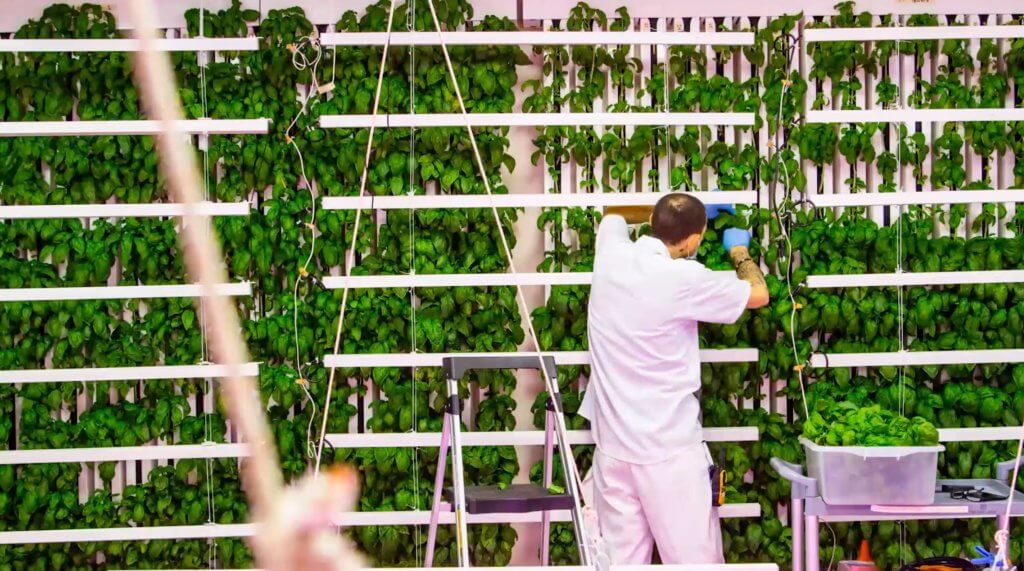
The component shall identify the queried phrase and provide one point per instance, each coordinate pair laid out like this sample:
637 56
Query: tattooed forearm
746 268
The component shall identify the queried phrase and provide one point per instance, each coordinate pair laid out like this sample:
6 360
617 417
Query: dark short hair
676 217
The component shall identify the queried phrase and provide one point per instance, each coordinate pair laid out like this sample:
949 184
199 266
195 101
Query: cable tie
291 47
326 88
302 382
798 368
787 82
303 272
288 139
310 225
798 305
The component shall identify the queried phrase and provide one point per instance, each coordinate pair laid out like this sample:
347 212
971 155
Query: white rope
205 266
410 24
571 472
789 244
350 255
900 302
211 508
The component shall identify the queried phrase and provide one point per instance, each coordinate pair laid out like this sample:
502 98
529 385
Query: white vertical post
643 80
664 161
972 161
1003 175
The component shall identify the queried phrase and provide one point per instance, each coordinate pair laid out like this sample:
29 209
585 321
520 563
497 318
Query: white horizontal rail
738 355
913 115
159 372
468 280
148 210
359 519
124 453
348 519
120 292
652 119
915 279
912 33
505 438
546 200
129 45
917 358
687 567
979 434
915 198
127 533
538 38
131 127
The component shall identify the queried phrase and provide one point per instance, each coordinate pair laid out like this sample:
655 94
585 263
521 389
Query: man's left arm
736 241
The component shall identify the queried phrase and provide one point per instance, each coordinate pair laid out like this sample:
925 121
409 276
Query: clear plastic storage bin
873 475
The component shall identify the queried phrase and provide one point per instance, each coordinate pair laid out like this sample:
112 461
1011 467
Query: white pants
667 503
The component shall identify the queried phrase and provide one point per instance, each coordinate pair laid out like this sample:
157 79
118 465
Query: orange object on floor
865 552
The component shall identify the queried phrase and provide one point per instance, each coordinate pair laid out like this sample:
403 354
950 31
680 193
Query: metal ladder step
517 498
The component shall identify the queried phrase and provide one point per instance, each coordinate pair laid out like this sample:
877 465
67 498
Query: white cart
808 510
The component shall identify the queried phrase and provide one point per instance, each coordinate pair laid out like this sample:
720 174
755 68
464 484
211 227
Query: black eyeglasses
975 495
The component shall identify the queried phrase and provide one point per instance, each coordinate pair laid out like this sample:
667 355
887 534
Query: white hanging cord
350 254
575 484
205 265
211 509
410 25
302 381
900 302
301 63
794 307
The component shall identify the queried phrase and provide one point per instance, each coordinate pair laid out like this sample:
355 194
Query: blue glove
713 210
735 237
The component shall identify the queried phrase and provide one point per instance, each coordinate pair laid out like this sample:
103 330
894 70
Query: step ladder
517 498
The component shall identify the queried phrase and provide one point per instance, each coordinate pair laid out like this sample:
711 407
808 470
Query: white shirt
644 354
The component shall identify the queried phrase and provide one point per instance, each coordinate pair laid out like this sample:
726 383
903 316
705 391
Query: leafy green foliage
846 424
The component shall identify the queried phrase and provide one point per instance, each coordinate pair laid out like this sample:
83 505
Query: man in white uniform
651 480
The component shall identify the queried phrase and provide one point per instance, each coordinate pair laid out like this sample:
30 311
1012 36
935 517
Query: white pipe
96 374
653 119
120 292
129 45
143 210
738 355
132 127
546 200
538 38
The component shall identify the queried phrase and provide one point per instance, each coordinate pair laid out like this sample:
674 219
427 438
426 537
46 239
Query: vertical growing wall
270 245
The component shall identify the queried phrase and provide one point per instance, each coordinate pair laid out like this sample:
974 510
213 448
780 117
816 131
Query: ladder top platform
517 498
